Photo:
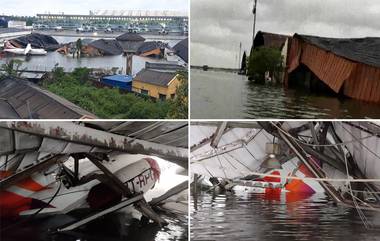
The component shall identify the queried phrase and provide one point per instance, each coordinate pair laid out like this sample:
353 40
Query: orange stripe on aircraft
30 185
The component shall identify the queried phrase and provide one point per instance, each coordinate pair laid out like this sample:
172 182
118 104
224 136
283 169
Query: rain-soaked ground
112 227
242 215
230 96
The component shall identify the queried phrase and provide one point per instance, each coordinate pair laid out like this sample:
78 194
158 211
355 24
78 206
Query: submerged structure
103 47
36 40
182 50
130 42
350 67
281 159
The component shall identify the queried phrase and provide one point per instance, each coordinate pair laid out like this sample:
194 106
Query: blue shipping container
123 82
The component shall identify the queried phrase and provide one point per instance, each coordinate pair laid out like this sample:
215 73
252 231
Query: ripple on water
226 95
238 216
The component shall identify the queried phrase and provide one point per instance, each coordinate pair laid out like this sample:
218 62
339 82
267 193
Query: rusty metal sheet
75 133
364 83
27 98
358 80
172 133
328 67
6 141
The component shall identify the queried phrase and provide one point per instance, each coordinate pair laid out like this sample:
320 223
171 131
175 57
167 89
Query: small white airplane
58 28
27 51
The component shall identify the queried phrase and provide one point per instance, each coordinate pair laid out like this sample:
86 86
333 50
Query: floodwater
216 94
113 227
47 63
249 216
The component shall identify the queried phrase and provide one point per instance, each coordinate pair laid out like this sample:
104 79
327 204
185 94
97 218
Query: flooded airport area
243 215
53 59
116 226
217 94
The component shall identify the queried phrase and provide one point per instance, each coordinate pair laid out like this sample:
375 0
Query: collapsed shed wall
356 80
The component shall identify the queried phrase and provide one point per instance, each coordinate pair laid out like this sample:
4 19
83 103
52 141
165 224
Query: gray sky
32 7
217 27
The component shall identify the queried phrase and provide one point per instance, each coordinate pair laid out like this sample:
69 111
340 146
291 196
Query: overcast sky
32 7
217 27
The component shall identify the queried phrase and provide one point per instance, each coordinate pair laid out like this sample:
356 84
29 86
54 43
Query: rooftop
182 49
108 47
155 77
26 100
119 77
362 50
149 46
130 37
270 40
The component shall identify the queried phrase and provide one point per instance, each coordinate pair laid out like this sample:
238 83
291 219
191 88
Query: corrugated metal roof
182 49
119 77
108 47
362 50
38 40
130 37
357 79
270 40
30 101
173 133
149 46
155 77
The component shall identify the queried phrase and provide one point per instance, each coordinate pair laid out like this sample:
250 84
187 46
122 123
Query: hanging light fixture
271 162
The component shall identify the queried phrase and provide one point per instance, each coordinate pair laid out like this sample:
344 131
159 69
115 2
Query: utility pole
254 22
239 65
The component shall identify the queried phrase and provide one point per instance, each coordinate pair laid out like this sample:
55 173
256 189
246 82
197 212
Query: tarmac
102 34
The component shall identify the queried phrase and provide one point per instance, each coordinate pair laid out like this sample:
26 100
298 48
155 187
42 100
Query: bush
262 60
105 102
179 106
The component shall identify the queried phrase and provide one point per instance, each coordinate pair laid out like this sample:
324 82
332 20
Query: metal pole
239 65
254 22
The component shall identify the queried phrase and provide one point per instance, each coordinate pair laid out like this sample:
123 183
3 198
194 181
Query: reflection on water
116 226
248 216
231 96
46 63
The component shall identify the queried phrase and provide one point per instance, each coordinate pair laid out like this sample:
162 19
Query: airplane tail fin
28 48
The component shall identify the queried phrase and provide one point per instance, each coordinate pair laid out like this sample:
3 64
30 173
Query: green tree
262 60
179 106
11 68
244 62
103 102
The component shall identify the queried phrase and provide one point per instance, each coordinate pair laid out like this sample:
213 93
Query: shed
270 40
347 66
130 42
123 82
182 49
107 46
26 100
156 84
152 49
37 40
